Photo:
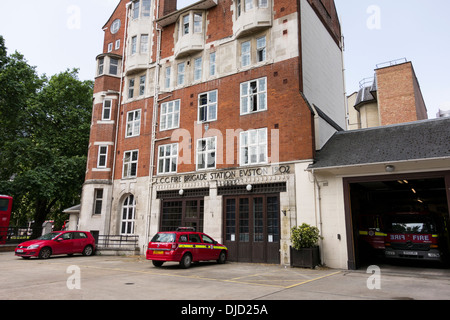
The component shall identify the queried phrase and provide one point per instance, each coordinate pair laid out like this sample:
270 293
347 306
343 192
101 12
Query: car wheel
88 251
157 263
45 253
222 258
186 261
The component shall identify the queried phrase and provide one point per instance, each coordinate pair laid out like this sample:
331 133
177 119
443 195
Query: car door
210 253
79 241
63 244
197 247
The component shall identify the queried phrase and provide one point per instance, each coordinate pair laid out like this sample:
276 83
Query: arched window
128 214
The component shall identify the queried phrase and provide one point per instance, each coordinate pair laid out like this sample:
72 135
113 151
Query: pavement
135 278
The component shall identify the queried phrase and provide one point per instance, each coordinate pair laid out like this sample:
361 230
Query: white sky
54 35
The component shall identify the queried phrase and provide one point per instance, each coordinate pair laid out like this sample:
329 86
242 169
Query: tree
45 138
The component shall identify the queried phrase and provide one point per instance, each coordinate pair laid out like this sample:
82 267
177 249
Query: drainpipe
318 210
154 124
119 103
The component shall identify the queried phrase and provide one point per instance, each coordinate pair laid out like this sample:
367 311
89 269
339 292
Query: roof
74 209
420 140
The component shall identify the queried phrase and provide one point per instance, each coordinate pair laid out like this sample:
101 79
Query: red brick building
208 116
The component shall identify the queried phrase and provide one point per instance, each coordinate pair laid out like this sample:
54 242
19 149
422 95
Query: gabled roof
420 140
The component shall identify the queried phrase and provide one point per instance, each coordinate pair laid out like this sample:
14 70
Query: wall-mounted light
181 192
249 187
389 168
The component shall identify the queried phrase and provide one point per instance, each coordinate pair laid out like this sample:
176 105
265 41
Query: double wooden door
252 228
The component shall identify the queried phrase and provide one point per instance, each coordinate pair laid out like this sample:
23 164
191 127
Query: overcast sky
58 34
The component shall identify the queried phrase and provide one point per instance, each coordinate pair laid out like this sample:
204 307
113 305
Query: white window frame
253 144
185 24
207 112
133 46
167 77
142 80
113 66
98 201
198 62
102 157
248 96
128 215
130 162
212 64
168 154
198 22
246 48
117 44
131 88
261 44
136 10
107 107
101 66
110 47
206 153
133 126
170 115
181 73
144 43
146 8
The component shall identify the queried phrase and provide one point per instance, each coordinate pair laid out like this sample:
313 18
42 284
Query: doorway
252 228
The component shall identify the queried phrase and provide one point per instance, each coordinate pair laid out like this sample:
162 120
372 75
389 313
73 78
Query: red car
57 242
184 247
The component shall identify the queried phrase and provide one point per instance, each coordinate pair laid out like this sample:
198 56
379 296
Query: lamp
249 187
181 192
389 168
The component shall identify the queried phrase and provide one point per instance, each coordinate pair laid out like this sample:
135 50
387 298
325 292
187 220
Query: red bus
5 216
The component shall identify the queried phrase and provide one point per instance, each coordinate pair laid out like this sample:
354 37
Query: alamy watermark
74 280
374 281
374 20
74 19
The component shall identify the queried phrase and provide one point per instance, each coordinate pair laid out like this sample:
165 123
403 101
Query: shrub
304 236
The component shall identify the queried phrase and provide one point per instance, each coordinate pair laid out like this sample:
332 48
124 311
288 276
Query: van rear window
164 237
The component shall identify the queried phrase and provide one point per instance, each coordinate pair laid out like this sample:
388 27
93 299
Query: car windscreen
164 237
412 224
49 236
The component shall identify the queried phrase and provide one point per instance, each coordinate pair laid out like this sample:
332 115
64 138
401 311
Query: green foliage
44 136
304 236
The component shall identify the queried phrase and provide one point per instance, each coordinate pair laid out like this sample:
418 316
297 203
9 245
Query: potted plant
305 246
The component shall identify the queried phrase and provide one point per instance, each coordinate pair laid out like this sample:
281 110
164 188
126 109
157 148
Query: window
248 4
113 66
106 112
253 96
181 69
170 115
102 156
110 46
261 49
253 147
133 44
167 158
212 63
115 26
197 22
263 3
101 62
146 8
130 162
133 123
142 85
207 106
167 79
144 43
238 5
206 153
128 215
197 69
185 24
98 199
117 47
245 54
131 89
136 9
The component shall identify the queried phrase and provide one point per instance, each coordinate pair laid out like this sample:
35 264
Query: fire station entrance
371 202
252 228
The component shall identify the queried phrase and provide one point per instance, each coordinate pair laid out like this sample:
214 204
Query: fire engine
416 236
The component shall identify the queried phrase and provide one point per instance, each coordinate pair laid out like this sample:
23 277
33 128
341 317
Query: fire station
231 117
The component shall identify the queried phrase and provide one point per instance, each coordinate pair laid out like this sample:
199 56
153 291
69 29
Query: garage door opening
398 219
